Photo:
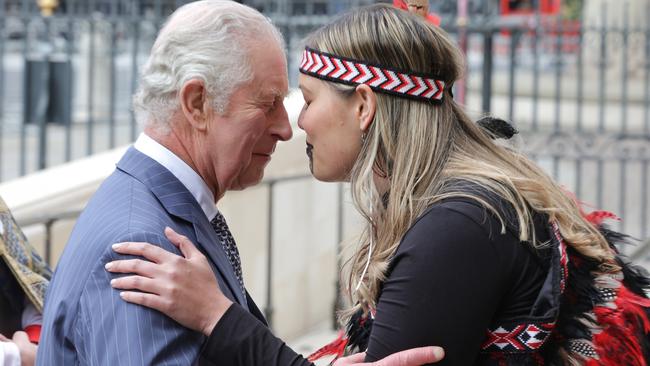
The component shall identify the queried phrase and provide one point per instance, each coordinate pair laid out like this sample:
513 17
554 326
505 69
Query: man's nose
281 126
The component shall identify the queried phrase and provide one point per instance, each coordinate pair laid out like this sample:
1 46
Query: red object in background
33 333
431 17
525 7
434 19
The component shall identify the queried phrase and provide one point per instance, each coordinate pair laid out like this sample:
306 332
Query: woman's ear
366 106
194 103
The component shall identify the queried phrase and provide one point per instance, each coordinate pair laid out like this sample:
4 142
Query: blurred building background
572 75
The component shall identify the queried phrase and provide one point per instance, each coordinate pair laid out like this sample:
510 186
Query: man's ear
366 106
194 103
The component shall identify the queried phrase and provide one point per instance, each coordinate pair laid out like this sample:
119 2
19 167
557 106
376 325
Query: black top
452 276
11 301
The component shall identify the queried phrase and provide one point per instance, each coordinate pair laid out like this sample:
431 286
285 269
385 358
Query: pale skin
230 150
185 288
26 348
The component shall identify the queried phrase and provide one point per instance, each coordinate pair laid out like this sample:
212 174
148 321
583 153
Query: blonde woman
467 245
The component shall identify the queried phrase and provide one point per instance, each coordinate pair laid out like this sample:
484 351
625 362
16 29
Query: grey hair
209 40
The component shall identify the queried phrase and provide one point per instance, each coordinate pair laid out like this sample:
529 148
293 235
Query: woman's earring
364 136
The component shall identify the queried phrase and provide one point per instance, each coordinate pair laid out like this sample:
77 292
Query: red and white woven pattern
517 338
379 78
564 258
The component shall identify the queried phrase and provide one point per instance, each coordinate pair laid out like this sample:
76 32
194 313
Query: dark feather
497 128
358 331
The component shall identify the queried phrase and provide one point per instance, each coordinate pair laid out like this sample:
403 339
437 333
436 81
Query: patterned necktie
228 242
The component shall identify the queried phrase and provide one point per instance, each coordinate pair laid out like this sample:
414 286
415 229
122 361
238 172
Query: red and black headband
380 78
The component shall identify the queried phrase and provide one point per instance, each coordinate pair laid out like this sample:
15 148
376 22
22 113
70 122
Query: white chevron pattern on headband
378 78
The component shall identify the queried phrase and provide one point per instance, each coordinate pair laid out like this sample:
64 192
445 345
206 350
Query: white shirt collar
186 175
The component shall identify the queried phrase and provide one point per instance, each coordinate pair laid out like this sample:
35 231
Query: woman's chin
330 177
321 177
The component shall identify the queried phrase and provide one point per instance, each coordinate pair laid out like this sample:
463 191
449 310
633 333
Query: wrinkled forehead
269 67
417 3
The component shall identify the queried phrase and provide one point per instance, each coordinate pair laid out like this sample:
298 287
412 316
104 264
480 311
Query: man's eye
272 105
268 106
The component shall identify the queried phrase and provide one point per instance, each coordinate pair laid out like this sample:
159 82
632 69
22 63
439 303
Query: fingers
136 266
26 348
173 236
413 357
137 283
151 252
183 243
20 338
356 358
4 339
149 300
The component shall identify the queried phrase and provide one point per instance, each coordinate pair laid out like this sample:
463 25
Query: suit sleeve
443 288
109 331
241 339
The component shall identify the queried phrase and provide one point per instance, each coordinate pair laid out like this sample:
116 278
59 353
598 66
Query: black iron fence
66 79
639 254
49 221
578 90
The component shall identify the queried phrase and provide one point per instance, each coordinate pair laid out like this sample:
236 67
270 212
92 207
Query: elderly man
211 99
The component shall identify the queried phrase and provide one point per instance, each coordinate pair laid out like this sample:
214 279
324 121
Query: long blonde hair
423 148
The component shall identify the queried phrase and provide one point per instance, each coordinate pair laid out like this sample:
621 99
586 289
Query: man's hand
27 349
411 357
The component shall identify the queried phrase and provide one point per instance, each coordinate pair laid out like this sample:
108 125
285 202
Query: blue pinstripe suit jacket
85 320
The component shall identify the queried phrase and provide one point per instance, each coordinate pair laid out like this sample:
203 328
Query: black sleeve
240 339
443 287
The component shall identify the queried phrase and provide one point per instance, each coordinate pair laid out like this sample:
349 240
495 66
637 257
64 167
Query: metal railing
579 91
66 80
49 220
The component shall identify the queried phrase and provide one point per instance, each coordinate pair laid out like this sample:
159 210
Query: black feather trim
497 128
358 331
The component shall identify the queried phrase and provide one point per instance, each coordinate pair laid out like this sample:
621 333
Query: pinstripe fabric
85 321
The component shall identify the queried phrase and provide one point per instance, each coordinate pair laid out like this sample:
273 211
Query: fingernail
112 282
438 352
116 246
122 294
109 265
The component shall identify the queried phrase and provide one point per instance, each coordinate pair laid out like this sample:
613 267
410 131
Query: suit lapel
179 202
